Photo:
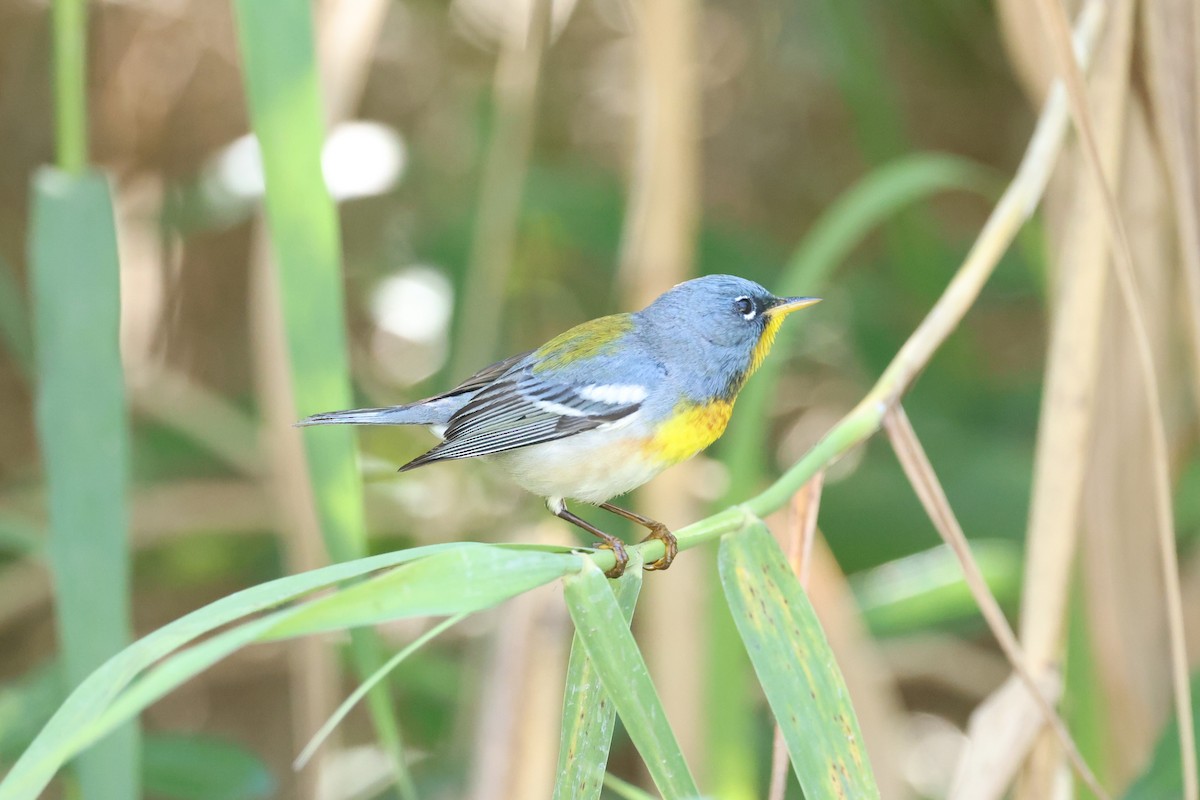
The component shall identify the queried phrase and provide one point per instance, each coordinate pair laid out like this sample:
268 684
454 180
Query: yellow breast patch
690 429
588 339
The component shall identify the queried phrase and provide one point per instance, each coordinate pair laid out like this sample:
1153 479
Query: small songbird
601 409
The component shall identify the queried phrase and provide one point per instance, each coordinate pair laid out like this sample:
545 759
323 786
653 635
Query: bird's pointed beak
786 305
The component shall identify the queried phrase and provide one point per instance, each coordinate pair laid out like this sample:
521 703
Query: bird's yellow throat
764 342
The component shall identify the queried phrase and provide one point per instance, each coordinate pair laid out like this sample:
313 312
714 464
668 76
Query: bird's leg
559 509
657 531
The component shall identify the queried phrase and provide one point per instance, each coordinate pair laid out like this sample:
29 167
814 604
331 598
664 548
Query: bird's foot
670 543
618 549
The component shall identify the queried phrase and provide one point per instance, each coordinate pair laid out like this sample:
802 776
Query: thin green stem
70 84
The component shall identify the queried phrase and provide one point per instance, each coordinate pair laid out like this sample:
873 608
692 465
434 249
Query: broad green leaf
604 634
588 714
83 435
459 581
61 739
1164 777
184 767
795 667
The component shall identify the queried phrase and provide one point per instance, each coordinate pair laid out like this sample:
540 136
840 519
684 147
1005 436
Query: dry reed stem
1172 56
312 669
1068 401
1058 26
1122 609
929 490
514 96
656 252
1002 730
801 532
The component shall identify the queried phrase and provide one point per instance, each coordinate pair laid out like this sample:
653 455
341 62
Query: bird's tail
429 412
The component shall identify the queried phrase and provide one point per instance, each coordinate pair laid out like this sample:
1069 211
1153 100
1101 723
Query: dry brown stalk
1002 730
929 490
657 247
1056 22
801 532
1068 401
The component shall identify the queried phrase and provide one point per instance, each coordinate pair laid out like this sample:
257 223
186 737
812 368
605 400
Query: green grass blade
459 581
346 705
278 52
795 667
624 789
588 715
610 647
59 740
276 40
83 433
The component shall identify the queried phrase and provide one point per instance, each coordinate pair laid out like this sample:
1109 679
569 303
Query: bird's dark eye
745 307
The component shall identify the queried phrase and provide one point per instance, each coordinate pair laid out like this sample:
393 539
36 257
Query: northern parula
604 407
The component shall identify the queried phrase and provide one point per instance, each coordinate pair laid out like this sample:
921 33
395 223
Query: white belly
592 467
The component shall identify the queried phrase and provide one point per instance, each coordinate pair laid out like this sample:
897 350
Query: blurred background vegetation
501 171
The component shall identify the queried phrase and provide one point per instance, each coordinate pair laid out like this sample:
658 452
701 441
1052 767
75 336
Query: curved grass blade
459 581
588 713
60 739
609 645
625 790
795 667
346 705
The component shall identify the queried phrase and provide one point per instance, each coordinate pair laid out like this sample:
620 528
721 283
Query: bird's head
732 318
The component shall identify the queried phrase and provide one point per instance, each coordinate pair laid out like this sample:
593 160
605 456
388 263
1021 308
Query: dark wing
483 377
521 410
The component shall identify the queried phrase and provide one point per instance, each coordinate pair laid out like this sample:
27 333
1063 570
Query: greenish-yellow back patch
586 340
691 428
